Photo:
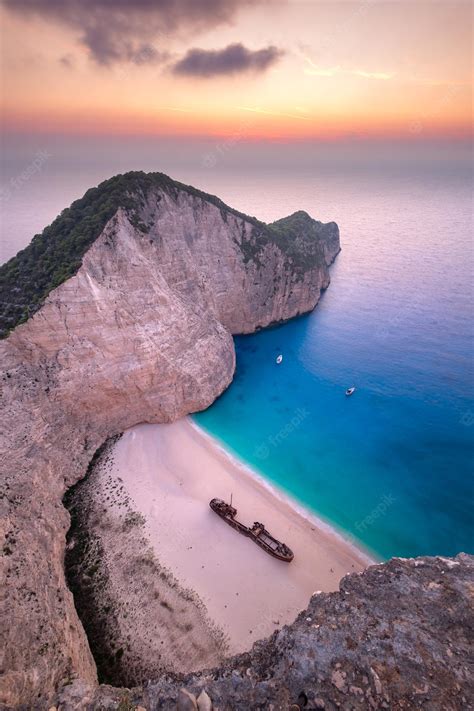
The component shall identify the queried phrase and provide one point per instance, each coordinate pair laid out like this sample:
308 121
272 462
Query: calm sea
393 464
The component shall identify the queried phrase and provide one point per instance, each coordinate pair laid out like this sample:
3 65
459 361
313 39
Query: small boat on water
350 391
258 533
279 359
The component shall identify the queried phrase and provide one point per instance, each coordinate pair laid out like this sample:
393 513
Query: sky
268 70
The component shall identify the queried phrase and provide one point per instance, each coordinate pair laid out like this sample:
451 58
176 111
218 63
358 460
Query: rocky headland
122 312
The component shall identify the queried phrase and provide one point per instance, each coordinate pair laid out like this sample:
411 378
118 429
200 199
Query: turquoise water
392 465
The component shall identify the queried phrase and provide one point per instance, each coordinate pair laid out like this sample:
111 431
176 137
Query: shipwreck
257 533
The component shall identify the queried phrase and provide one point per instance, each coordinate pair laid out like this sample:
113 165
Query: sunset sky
272 69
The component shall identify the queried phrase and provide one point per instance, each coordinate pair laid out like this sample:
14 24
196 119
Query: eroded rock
411 667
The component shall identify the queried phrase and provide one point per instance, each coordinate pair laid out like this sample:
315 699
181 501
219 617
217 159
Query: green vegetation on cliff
56 254
298 235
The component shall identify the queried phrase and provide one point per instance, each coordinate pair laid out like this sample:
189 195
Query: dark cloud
67 61
130 30
231 60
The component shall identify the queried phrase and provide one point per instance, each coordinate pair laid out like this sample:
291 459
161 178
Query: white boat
279 359
349 391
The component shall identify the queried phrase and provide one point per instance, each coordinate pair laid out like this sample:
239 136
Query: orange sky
354 68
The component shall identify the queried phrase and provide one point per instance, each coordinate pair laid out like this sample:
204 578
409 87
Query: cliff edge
397 636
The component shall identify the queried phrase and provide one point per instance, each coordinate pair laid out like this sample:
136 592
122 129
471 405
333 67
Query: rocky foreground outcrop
397 636
138 330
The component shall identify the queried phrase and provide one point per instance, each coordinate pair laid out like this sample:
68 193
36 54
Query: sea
391 467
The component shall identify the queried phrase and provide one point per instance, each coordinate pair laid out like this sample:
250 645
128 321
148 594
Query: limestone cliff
132 324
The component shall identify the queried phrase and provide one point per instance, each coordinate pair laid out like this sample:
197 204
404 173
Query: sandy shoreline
170 473
312 519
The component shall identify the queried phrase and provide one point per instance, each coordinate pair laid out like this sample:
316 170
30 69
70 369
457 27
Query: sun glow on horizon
366 73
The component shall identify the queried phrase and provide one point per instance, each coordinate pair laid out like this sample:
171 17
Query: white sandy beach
170 473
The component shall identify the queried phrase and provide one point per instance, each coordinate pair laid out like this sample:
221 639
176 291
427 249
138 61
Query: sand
170 472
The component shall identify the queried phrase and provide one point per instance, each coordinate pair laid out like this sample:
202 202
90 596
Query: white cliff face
142 333
202 255
121 327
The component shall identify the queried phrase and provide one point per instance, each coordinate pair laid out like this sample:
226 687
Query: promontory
122 312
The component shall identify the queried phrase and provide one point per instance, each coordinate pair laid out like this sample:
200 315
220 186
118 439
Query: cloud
373 75
258 110
320 72
67 60
136 31
315 71
233 59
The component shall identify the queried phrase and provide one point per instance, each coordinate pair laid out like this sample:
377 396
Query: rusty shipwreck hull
257 533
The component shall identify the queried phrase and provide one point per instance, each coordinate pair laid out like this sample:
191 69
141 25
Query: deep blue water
393 464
